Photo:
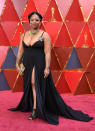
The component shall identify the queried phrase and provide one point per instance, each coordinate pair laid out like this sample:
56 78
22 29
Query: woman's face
35 21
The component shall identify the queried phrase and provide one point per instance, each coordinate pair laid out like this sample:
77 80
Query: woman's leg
33 88
34 112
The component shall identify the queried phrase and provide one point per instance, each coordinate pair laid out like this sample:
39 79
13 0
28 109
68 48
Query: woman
40 94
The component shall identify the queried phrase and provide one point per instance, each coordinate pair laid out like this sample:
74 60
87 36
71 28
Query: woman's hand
46 72
18 68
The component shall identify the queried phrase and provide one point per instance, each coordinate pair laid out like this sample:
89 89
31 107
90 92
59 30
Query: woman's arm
20 51
47 50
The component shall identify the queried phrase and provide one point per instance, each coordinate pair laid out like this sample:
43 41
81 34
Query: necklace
32 34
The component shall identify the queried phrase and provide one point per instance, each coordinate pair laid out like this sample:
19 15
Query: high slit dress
49 103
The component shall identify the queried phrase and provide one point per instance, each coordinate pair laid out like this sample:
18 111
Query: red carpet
17 121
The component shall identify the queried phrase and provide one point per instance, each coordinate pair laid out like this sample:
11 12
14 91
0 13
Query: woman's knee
33 83
33 78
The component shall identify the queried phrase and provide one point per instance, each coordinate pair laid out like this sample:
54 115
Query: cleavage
39 38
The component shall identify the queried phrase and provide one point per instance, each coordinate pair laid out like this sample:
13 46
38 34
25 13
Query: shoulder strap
42 34
23 36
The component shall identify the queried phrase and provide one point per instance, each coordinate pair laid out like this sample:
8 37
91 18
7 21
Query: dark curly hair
32 13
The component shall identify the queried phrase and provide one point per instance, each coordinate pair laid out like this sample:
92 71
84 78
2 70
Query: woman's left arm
47 50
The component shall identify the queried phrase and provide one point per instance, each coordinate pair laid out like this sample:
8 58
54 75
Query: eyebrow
34 18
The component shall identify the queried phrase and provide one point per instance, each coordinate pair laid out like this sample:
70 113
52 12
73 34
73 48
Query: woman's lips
33 24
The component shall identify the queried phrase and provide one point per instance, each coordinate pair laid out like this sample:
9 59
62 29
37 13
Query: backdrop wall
71 25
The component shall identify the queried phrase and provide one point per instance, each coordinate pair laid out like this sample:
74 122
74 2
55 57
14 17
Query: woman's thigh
33 76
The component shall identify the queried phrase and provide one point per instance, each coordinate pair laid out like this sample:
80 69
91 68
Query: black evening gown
49 102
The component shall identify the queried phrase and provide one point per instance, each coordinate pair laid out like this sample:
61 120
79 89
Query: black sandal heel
33 115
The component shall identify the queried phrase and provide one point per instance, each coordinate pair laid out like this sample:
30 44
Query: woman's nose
34 22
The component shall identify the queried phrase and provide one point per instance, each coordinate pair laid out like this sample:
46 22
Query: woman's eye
34 20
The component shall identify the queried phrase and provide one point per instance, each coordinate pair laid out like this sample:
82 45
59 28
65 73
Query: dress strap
23 36
42 34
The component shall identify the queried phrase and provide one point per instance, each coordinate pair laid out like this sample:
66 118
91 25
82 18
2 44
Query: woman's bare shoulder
26 32
46 35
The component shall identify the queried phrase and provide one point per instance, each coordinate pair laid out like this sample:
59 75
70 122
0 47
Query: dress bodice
38 43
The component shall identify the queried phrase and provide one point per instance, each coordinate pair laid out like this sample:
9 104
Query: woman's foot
33 115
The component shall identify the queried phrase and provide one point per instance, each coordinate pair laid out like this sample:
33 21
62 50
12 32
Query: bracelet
17 63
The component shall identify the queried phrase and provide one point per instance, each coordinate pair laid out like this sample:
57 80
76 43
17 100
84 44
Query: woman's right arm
20 52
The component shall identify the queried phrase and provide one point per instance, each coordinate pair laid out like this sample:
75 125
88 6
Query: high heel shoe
33 115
